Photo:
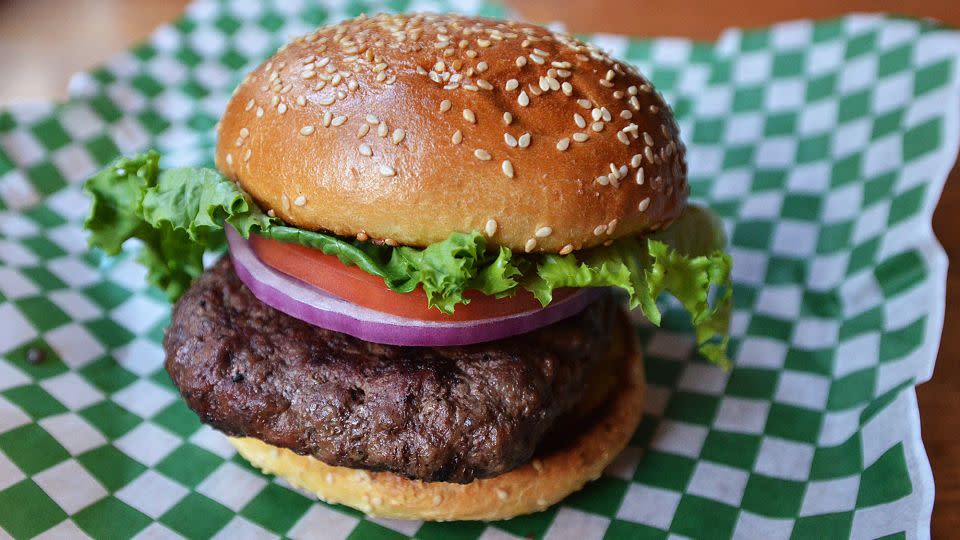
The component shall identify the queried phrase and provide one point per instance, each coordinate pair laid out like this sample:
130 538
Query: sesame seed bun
404 129
529 488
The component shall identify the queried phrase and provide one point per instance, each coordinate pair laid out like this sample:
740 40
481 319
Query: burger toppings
180 214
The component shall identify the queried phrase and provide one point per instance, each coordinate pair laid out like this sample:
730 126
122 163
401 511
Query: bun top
403 129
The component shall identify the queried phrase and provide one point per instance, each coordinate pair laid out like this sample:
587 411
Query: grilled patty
434 414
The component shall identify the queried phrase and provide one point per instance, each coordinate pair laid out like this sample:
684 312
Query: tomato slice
352 284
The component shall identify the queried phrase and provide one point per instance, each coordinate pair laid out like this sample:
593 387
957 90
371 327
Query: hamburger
432 227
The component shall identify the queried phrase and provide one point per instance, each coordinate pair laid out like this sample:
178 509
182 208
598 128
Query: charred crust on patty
450 414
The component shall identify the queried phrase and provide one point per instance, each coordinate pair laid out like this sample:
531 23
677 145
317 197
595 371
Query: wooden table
43 41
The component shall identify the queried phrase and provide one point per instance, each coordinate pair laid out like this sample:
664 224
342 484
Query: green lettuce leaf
179 214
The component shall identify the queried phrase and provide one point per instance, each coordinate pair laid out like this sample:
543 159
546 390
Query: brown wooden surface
43 41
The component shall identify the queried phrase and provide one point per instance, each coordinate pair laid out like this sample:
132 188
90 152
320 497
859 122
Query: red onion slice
307 303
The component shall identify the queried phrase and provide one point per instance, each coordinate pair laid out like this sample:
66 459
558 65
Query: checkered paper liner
824 146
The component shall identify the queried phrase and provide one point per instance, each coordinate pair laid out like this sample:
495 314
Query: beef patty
435 414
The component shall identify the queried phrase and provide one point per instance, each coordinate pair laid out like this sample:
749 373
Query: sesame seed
584 103
470 87
521 61
581 123
612 225
563 144
539 52
599 229
308 74
398 135
306 130
563 73
483 43
647 139
580 136
327 117
523 99
238 142
372 119
445 105
610 75
648 153
644 204
640 176
632 90
491 227
259 112
301 101
528 247
271 213
469 116
327 100
481 67
622 137
244 132
390 242
484 84
363 130
544 85
566 250
524 140
249 105
300 201
625 114
605 114
338 121
323 62
457 137
437 500
536 59
654 109
282 108
362 236
543 232
636 160
603 180
507 168
596 114
507 118
597 126
567 88
542 503
511 85
634 103
285 202
386 170
365 150
481 154
229 159
510 140
618 94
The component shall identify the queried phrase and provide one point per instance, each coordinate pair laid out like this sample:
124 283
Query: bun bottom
529 488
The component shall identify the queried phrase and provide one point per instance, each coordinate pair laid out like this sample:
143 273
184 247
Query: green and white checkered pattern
824 146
